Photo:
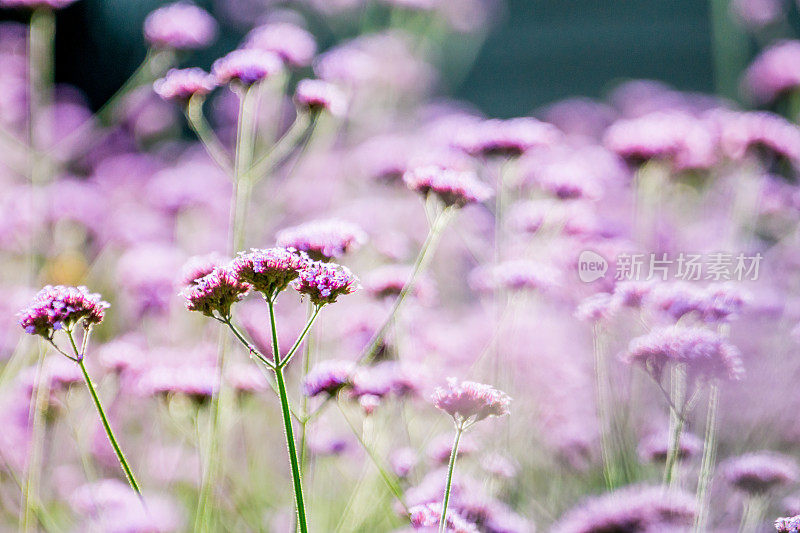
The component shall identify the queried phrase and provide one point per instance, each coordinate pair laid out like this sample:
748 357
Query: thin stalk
707 464
301 337
603 409
204 132
300 129
38 406
674 449
450 467
245 144
425 253
287 425
307 352
753 512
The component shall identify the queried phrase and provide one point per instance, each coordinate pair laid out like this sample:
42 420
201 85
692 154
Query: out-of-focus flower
109 505
774 72
755 14
181 25
715 303
323 240
216 292
469 402
270 270
385 378
294 45
244 379
580 117
403 461
634 509
452 187
59 307
655 448
499 465
33 4
426 517
705 353
515 275
328 377
440 448
762 133
388 281
323 283
198 382
246 66
182 84
508 138
319 95
199 266
757 473
596 307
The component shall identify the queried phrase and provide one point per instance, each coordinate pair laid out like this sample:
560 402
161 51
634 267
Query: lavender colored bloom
323 283
758 473
216 292
244 379
763 133
403 461
500 465
199 266
596 307
181 25
426 517
705 353
198 382
655 448
319 95
328 377
634 509
246 66
788 525
60 307
388 281
774 72
632 293
440 448
469 402
713 304
182 84
323 240
35 4
452 187
270 270
756 14
508 138
293 44
383 379
516 275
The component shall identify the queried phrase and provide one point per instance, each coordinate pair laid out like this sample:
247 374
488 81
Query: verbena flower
715 303
181 26
198 382
469 402
246 66
293 44
215 293
758 473
269 270
323 283
61 307
704 353
452 187
656 447
319 95
383 379
323 240
756 14
757 132
199 266
388 281
597 307
328 377
634 509
788 525
33 4
427 516
402 461
774 72
182 84
508 138
519 274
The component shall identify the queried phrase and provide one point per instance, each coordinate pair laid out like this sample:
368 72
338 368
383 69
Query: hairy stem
709 457
450 468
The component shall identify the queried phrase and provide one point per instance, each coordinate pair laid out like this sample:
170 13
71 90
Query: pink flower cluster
60 307
468 401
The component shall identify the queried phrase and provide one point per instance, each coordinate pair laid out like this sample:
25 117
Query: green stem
674 449
450 468
245 142
707 464
38 407
425 253
301 128
301 337
204 132
603 409
287 425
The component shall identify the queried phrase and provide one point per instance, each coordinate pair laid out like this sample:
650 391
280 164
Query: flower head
270 270
655 448
774 72
453 187
217 291
328 377
182 84
60 307
468 401
515 275
320 95
704 353
325 282
427 516
788 524
292 43
198 267
181 26
246 66
33 4
323 240
508 138
757 473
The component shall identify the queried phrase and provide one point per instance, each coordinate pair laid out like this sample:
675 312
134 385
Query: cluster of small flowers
655 448
452 187
323 240
468 401
515 275
180 26
788 525
758 473
426 517
60 307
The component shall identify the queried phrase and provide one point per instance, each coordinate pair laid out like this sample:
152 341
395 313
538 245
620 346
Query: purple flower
325 282
198 382
760 132
319 95
755 14
60 307
507 138
244 379
599 306
323 240
182 84
757 473
403 461
704 353
774 72
469 402
181 26
633 509
34 4
656 447
788 525
328 377
270 270
453 187
713 304
216 292
246 66
292 43
199 266
427 516
383 379
515 275
388 281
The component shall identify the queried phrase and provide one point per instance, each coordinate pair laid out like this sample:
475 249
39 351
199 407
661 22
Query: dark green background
539 51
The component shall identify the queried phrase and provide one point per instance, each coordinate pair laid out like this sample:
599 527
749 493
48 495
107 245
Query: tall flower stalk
708 461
